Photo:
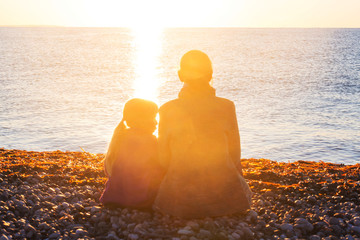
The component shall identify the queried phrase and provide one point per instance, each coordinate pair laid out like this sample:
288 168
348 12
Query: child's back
132 165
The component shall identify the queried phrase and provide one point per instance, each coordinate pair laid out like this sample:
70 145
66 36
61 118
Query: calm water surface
297 91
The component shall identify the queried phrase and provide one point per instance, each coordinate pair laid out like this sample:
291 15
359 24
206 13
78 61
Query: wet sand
55 195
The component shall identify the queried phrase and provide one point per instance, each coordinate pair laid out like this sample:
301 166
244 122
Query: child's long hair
134 110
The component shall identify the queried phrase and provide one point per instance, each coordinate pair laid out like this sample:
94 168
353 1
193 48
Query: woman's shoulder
225 101
169 106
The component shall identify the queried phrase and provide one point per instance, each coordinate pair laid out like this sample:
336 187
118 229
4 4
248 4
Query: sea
296 91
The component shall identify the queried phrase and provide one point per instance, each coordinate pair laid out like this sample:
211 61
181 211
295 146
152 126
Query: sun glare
147 42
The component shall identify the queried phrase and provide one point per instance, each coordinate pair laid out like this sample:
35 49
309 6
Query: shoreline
55 195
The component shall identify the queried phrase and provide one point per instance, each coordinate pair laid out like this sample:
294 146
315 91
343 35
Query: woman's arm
163 139
234 138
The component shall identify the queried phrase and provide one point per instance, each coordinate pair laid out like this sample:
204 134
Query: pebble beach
54 195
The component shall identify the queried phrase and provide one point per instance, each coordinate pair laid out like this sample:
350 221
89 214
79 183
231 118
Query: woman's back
202 179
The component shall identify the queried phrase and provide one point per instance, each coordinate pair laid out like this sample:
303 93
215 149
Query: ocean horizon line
195 27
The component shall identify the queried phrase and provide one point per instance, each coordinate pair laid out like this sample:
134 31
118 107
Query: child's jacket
135 172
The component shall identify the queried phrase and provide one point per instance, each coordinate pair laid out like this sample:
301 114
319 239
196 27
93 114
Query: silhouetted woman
199 142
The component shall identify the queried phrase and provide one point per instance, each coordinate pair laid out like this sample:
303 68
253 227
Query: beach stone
311 199
329 180
139 228
112 236
21 206
268 194
80 232
356 221
78 206
185 232
44 226
95 209
58 198
273 215
133 236
286 227
334 221
355 229
303 224
102 224
114 219
336 229
193 225
252 215
235 235
31 231
65 205
204 233
55 235
349 237
30 202
4 237
114 226
314 237
247 233
260 202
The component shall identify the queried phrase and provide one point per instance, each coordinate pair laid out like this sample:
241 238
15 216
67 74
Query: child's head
141 114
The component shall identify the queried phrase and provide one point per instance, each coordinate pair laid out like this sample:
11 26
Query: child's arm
112 152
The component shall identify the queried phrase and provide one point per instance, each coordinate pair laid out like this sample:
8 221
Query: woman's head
140 113
195 68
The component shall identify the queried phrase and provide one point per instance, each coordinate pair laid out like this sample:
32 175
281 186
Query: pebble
286 227
65 205
204 233
4 237
185 232
235 235
55 235
193 225
314 237
95 209
252 215
112 236
334 221
44 226
58 198
303 224
355 229
133 236
356 221
80 232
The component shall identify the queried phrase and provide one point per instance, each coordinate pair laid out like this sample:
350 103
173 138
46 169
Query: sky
182 13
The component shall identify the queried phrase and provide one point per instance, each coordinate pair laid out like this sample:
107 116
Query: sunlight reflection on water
148 47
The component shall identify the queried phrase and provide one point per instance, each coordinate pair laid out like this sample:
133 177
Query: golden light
147 42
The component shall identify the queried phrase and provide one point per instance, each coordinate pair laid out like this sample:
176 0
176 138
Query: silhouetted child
131 162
